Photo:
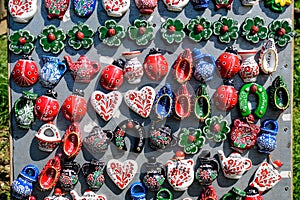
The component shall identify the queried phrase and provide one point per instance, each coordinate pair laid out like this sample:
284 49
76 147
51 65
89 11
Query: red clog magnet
50 174
25 72
225 97
112 76
75 106
72 141
183 67
228 63
156 65
183 102
46 106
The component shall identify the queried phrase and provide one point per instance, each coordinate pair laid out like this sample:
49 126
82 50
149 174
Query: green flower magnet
277 5
172 30
21 41
111 33
216 128
191 140
52 39
226 29
81 36
281 30
142 32
254 29
199 29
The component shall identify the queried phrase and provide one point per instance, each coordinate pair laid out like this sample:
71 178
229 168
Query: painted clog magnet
183 68
121 173
154 177
249 68
279 94
22 11
268 57
202 107
137 191
182 107
71 142
228 63
115 8
266 141
93 174
140 101
164 102
204 66
48 137
226 97
56 9
146 7
84 8
87 195
49 175
175 5
75 106
133 69
191 140
47 106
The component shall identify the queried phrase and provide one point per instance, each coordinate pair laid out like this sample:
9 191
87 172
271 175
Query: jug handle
34 168
62 67
248 164
83 168
77 167
96 66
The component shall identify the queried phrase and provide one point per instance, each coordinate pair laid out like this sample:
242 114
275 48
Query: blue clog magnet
164 102
138 191
266 141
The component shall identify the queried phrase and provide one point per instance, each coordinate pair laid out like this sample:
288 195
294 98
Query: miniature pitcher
249 68
154 177
93 173
133 69
204 65
23 185
52 71
69 176
22 11
235 165
266 141
84 8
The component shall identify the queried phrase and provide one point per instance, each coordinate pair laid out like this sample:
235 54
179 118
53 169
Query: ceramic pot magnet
71 142
225 97
160 138
228 63
49 175
204 66
182 107
279 94
69 176
164 102
93 174
202 108
209 193
146 6
48 137
87 195
74 107
183 67
22 11
249 68
268 57
56 9
137 191
155 175
266 141
133 69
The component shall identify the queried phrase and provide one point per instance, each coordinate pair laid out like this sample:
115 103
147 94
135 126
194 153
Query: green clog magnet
279 94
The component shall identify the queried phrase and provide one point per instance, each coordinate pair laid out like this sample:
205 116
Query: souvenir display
25 72
182 107
262 98
172 30
52 38
228 63
155 175
115 8
84 70
93 174
266 141
234 194
112 33
202 108
24 109
191 140
175 6
281 30
81 36
268 57
180 172
249 68
133 69
164 194
137 191
52 71
279 94
56 9
84 8
22 186
249 2
120 134
69 176
57 195
254 29
71 142
22 11
146 6
216 128
46 107
234 166
140 101
74 107
225 97
160 138
200 5
277 6
87 195
204 66
155 65
21 41
209 193
164 102
121 173
49 175
48 137
142 31
226 29
183 68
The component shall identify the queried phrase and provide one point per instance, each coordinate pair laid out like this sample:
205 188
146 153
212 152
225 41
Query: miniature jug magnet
234 194
69 176
48 137
154 177
164 102
52 71
25 72
249 68
146 6
49 175
235 165
115 8
56 9
266 141
209 193
183 67
23 185
200 4
160 138
87 195
175 5
228 63
253 194
57 195
93 174
164 194
268 57
24 109
22 11
75 106
71 142
137 191
84 70
133 69
84 8
204 65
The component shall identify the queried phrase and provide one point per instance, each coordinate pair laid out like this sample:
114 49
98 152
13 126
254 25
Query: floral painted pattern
81 36
84 8
199 29
21 41
191 140
281 31
254 29
52 39
111 33
172 30
142 32
226 29
216 128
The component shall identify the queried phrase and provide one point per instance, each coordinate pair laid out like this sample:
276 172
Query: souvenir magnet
71 141
22 11
268 57
84 8
175 6
93 174
277 6
183 68
266 141
87 195
164 194
74 107
225 97
253 194
57 195
234 194
254 29
202 108
52 38
200 5
228 63
216 128
160 138
115 8
249 68
142 31
133 69
191 140
146 6
56 9
249 2
155 175
279 94
69 176
172 30
182 107
224 4
226 29
21 41
48 137
209 193
282 31
81 36
49 175
204 66
164 102
137 191
112 33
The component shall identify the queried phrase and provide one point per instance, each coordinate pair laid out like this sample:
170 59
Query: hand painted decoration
111 33
172 30
202 103
164 102
182 108
84 70
133 69
216 128
235 194
81 36
115 8
226 29
164 194
93 174
48 137
160 138
183 68
52 71
106 105
279 94
140 101
249 68
154 177
22 186
277 6
46 106
56 9
120 134
112 76
146 7
224 4
84 8
49 175
137 191
253 194
228 63
142 31
225 97
266 141
281 30
75 106
204 66
57 195
121 173
266 176
254 29
200 4
24 109
262 103
87 195
235 165
52 39
209 193
191 140
155 65
21 41
69 176
199 28
243 134
175 5
22 11
268 57
25 72
71 142
180 172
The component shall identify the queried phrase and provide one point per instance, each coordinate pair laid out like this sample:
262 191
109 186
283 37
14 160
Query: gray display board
25 147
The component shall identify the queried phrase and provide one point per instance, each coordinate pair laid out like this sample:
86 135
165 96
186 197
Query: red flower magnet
75 106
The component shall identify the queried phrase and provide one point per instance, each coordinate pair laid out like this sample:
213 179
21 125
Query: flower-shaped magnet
199 29
142 32
216 128
281 30
172 30
111 33
52 39
254 29
226 29
81 36
21 41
